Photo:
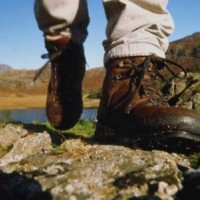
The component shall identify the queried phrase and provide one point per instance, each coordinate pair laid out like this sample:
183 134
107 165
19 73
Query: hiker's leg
133 107
64 24
137 27
63 17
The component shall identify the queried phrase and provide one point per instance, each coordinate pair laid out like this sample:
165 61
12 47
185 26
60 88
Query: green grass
84 128
5 116
194 160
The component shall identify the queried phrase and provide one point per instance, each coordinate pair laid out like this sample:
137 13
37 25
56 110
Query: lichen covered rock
34 168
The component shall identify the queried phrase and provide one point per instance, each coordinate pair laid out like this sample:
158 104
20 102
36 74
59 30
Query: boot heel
103 132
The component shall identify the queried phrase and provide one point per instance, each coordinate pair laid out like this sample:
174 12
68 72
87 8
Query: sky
21 42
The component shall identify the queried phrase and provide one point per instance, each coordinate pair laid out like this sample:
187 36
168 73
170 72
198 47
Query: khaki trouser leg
63 17
137 27
134 28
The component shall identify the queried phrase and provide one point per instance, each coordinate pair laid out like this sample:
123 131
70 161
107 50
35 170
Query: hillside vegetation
186 51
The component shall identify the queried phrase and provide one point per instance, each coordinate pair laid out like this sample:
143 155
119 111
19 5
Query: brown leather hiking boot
133 105
64 96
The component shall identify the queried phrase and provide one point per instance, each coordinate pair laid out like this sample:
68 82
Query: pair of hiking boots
132 105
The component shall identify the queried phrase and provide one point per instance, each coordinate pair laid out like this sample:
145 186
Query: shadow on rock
151 142
145 198
191 187
15 186
56 137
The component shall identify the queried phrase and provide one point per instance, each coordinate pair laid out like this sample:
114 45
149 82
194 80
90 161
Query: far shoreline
12 102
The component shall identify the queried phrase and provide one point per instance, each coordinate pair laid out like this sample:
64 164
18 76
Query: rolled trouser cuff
133 49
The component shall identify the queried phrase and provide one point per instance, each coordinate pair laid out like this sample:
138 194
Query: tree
196 52
181 52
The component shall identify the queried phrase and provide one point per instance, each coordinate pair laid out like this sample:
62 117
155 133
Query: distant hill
4 68
93 79
185 51
21 81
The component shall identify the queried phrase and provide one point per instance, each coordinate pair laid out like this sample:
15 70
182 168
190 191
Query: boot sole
170 140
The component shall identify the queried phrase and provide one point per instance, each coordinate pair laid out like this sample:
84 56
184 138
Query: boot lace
138 84
51 58
54 83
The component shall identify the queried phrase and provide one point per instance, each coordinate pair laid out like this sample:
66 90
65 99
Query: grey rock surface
34 168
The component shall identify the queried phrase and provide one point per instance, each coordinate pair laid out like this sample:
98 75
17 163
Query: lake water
38 115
